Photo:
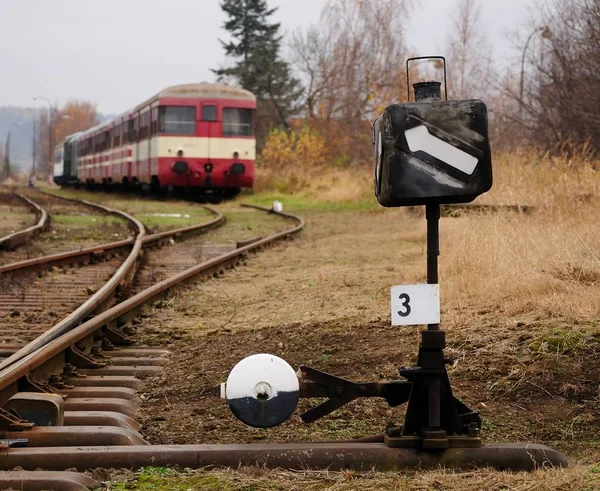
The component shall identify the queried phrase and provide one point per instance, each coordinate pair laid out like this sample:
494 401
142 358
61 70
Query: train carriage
194 136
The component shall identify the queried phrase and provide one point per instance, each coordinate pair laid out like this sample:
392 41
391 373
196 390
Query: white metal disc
262 390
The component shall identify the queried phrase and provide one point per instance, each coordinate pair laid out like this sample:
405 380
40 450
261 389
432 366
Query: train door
143 146
129 151
154 142
209 134
148 145
137 157
209 126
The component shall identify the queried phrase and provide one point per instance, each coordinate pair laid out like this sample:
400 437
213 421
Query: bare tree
352 66
551 94
469 52
564 99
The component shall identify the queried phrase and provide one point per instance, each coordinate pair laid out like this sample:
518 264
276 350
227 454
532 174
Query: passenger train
194 137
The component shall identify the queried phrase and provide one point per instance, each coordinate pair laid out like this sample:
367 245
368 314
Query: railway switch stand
428 152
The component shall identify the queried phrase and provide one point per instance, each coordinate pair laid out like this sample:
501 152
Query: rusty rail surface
16 238
97 299
38 480
89 252
297 456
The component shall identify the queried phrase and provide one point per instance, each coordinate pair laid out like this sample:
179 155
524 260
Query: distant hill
22 132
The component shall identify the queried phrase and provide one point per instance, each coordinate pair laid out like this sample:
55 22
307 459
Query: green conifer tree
255 46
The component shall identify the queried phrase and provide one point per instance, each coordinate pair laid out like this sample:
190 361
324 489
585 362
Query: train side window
117 135
209 113
154 124
131 130
136 126
144 125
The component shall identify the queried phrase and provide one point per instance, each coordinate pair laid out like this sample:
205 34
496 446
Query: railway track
75 224
12 231
72 385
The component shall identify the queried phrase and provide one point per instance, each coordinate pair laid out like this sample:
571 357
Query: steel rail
77 255
21 236
295 456
35 480
92 303
52 347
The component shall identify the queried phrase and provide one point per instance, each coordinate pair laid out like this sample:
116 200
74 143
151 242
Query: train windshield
238 122
177 120
58 154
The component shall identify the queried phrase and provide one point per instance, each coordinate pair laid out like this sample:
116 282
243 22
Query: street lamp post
546 34
50 118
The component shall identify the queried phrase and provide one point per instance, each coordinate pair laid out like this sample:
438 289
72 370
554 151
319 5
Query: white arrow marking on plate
419 138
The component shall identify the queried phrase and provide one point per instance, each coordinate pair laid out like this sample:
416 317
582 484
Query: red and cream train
197 137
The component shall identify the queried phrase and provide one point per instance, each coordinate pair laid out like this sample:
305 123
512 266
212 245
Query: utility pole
33 133
51 111
546 34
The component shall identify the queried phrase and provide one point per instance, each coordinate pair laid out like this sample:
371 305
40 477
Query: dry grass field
520 303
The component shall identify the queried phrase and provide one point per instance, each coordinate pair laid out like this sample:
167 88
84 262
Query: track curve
20 236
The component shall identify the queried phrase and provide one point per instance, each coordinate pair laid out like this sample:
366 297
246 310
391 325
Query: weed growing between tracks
72 226
520 304
156 215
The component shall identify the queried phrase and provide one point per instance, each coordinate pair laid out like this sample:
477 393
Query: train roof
207 90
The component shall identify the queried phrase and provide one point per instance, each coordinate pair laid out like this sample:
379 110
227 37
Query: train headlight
208 167
181 167
238 169
236 155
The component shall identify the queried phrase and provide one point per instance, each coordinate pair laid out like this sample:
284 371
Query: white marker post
415 304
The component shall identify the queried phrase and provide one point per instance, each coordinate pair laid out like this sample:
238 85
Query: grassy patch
85 220
566 343
304 202
162 478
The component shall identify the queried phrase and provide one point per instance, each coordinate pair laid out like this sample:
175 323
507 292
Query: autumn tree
255 47
74 116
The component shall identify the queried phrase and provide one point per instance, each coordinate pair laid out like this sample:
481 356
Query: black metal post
432 214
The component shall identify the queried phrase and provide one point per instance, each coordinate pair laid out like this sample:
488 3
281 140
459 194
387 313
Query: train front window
177 120
238 122
209 113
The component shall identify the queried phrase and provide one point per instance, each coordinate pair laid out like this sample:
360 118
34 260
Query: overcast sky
117 53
